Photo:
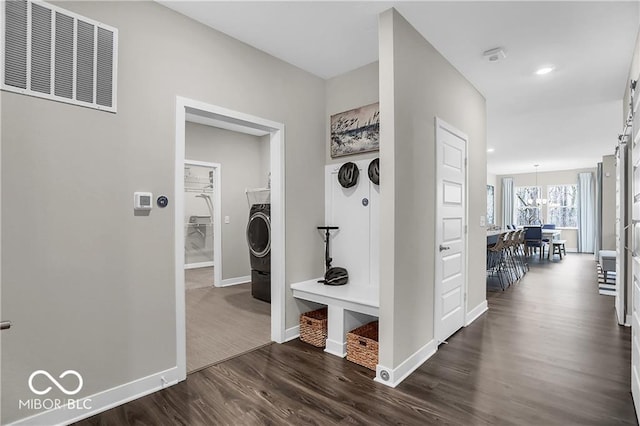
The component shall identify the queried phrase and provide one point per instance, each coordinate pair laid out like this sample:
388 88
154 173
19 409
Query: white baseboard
473 315
292 333
627 321
105 400
336 348
198 265
408 366
234 281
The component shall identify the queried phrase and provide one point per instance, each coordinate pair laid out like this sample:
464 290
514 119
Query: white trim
277 233
105 400
627 321
336 348
198 265
234 281
292 333
178 206
475 313
217 219
276 130
408 366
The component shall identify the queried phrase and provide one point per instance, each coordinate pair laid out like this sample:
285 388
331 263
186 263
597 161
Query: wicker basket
313 327
362 345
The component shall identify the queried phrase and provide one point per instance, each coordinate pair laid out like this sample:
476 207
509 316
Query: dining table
547 234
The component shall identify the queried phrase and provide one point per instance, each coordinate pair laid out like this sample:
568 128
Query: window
562 208
526 210
490 204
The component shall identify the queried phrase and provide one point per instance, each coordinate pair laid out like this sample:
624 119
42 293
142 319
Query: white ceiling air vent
55 54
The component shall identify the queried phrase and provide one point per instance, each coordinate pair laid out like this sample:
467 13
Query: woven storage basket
313 327
362 345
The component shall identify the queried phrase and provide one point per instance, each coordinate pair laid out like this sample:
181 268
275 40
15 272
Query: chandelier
538 201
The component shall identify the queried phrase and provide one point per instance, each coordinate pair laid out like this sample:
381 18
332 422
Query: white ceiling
564 120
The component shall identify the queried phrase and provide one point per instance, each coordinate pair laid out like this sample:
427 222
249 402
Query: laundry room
224 169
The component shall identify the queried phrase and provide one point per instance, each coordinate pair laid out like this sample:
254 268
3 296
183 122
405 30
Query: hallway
548 352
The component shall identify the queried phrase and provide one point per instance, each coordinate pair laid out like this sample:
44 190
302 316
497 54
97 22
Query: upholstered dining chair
548 226
533 239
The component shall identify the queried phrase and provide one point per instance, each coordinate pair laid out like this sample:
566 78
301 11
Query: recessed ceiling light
544 70
490 149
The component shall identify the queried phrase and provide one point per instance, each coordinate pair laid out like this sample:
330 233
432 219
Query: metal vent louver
55 54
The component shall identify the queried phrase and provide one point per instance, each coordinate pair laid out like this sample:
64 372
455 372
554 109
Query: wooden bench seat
348 306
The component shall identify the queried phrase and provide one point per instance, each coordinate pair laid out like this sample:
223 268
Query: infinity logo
55 382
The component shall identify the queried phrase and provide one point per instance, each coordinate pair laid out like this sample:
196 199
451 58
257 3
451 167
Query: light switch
483 221
226 219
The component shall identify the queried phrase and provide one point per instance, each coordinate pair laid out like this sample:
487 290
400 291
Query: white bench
607 261
348 306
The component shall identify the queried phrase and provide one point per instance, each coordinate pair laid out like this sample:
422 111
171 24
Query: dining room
576 203
542 216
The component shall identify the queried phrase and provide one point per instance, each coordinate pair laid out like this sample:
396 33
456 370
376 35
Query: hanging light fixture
539 201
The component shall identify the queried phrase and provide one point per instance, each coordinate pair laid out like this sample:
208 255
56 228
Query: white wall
91 287
356 244
241 163
417 84
348 91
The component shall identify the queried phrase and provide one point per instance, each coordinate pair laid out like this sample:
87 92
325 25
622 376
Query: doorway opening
206 245
202 226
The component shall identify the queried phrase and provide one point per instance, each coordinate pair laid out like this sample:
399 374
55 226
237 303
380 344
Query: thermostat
142 200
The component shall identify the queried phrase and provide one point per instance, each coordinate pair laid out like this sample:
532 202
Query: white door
634 197
451 193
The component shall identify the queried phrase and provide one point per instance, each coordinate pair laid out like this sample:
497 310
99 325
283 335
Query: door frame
217 217
241 122
440 126
623 157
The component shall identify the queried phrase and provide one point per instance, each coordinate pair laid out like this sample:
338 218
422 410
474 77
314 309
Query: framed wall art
355 131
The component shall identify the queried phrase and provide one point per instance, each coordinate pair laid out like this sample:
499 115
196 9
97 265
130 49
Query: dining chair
496 259
533 239
548 226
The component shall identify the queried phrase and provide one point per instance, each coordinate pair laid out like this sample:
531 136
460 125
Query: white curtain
507 201
586 213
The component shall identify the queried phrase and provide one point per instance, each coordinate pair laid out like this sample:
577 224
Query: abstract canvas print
355 131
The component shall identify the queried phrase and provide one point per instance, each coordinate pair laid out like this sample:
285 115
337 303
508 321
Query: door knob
5 325
442 248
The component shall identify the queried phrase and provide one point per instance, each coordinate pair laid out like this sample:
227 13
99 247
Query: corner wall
89 285
354 89
417 84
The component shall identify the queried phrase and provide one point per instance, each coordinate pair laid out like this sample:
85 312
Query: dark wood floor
548 352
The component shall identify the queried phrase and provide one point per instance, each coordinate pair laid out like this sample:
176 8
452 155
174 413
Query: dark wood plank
548 352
